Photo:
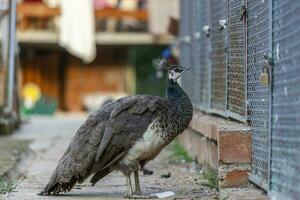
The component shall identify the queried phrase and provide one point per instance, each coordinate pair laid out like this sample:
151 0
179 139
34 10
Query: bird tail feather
63 178
99 175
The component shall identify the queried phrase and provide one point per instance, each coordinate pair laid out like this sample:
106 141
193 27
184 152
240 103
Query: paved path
50 138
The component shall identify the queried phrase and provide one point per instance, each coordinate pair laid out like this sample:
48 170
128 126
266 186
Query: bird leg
137 183
137 193
129 187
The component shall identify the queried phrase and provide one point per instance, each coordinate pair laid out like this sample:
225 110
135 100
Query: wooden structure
27 11
65 77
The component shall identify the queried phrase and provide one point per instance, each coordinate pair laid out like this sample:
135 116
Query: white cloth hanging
160 12
77 29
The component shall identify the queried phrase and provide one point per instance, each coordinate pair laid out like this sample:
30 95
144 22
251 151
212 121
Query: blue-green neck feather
181 109
174 91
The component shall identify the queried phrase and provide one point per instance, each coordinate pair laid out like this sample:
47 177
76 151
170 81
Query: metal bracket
223 24
268 60
197 35
243 12
206 29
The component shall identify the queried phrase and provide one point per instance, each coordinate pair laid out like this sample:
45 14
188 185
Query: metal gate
258 95
218 57
285 143
236 59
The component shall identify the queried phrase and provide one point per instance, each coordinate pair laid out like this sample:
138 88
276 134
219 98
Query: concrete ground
50 138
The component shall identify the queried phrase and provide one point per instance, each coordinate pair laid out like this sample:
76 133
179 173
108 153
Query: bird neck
178 97
175 92
181 111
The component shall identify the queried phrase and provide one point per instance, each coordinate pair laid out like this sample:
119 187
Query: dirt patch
186 179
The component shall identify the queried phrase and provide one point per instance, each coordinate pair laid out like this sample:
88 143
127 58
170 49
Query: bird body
122 135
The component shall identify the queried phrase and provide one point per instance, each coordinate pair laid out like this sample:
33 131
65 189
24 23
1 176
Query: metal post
270 92
11 59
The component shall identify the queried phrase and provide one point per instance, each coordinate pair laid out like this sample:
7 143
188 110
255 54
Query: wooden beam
121 14
36 10
39 10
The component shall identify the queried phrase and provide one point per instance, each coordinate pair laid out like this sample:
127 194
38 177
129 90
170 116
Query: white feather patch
145 148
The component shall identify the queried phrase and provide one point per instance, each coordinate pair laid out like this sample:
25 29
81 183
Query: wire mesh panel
185 45
218 70
236 59
285 143
204 54
195 52
200 54
258 95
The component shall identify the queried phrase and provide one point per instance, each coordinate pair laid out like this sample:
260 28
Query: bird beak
186 69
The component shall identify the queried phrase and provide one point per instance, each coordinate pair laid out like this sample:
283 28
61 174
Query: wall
67 79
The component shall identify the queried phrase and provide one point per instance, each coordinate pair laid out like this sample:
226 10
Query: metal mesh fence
285 143
258 95
230 81
195 52
218 57
204 55
236 59
185 46
200 55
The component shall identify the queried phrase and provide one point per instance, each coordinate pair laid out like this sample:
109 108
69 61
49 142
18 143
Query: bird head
174 71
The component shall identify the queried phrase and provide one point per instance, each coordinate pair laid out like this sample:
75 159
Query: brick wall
222 145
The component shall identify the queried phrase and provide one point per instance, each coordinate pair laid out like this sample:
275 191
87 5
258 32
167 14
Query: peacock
124 135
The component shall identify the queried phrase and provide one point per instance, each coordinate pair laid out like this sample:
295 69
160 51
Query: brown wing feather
125 127
110 131
74 165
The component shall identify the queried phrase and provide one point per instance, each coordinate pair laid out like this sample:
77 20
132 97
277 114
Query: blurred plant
179 153
6 187
211 179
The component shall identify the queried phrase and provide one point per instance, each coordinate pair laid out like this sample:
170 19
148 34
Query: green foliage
211 179
179 153
6 187
146 81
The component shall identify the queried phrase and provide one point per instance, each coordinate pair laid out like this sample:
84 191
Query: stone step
243 194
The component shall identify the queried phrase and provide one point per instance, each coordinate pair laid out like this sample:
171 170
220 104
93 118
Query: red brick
235 178
234 147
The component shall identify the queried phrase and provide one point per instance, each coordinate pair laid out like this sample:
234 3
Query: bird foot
139 196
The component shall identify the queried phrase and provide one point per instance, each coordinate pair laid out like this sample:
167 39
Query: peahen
124 135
